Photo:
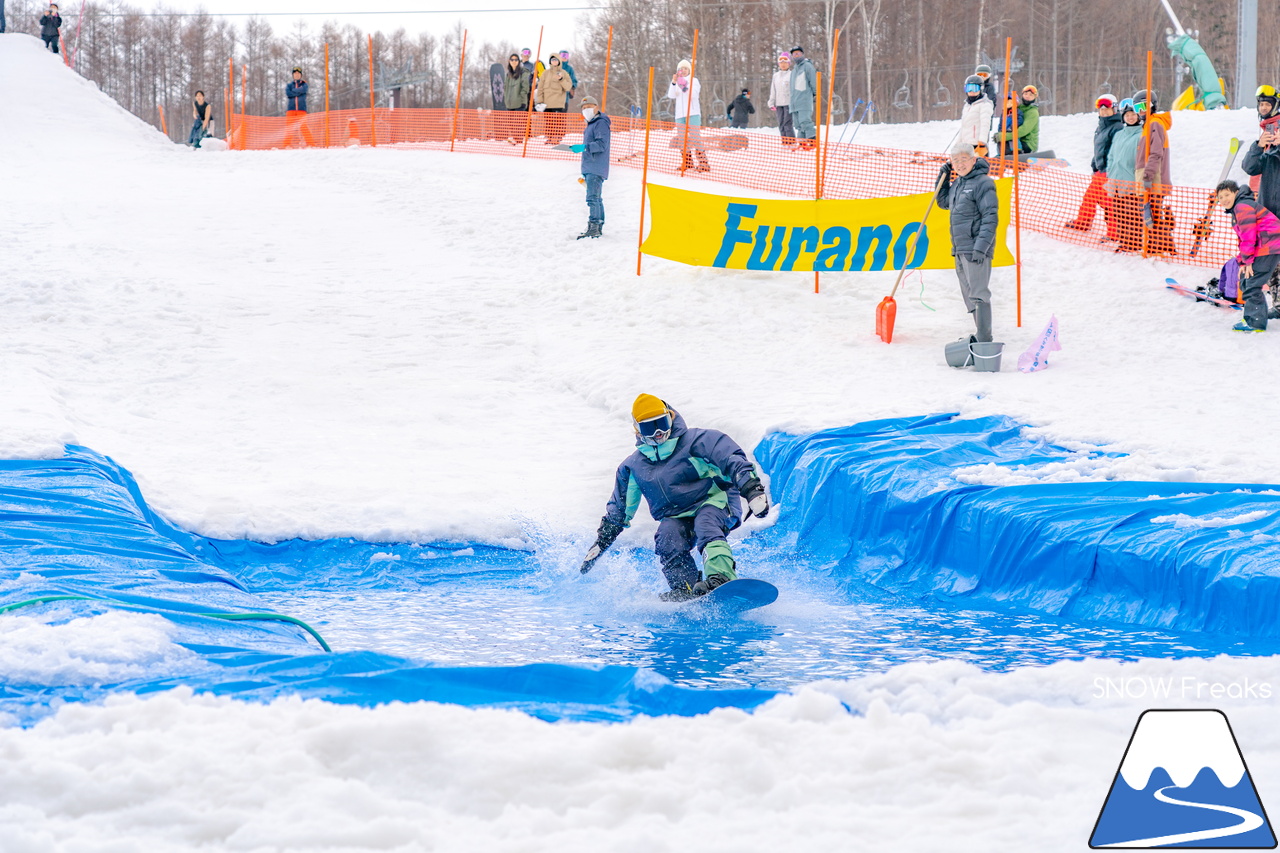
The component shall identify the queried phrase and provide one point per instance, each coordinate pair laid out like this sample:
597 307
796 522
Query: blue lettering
921 249
805 239
882 236
762 234
733 235
836 254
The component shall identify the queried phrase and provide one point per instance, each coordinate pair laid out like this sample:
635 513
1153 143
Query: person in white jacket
780 98
975 115
688 111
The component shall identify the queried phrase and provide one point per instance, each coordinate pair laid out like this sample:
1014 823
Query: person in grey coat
804 85
975 216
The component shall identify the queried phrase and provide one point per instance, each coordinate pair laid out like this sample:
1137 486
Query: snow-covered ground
398 344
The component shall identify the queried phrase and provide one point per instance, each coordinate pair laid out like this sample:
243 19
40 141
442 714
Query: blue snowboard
737 596
1173 285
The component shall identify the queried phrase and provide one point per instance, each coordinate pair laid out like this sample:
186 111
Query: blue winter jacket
596 138
297 95
692 468
975 211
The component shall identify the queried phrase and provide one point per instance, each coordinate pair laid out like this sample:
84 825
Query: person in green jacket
516 86
1029 120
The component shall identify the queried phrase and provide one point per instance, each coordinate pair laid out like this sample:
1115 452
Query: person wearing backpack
1258 230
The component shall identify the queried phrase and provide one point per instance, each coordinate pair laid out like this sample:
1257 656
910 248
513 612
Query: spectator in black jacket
1109 121
49 24
1262 160
740 109
296 92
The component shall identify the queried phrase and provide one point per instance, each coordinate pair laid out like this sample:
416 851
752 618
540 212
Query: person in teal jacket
694 481
1122 185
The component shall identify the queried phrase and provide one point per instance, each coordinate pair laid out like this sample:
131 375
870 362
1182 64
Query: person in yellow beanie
694 481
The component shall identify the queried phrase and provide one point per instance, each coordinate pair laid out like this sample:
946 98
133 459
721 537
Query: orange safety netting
1165 223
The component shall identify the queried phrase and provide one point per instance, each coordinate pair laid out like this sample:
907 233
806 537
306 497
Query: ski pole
851 120
871 107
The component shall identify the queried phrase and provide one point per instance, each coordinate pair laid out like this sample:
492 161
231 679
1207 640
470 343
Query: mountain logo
1183 783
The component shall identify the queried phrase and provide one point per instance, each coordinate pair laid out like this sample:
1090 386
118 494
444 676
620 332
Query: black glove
945 172
605 536
756 498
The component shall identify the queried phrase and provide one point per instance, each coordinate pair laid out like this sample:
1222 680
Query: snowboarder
688 111
975 218
516 86
573 76
1029 120
1262 160
535 68
740 109
201 114
694 481
1258 230
49 24
1122 186
1109 123
596 142
975 115
780 99
804 85
296 92
1152 168
553 97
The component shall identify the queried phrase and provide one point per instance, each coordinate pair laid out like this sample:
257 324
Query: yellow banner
829 236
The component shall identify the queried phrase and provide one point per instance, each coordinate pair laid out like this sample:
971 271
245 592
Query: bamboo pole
533 85
831 85
608 56
644 174
373 118
457 98
688 105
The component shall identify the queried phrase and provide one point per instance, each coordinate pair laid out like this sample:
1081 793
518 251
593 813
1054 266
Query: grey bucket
986 355
958 354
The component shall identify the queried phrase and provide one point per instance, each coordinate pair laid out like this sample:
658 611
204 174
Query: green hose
230 617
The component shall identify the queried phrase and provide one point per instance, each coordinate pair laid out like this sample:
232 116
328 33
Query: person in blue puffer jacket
295 91
694 481
597 137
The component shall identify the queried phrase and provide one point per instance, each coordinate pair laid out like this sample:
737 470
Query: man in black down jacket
975 216
1109 121
741 109
1263 156
49 24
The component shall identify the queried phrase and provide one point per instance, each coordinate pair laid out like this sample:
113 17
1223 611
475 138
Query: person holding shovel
975 219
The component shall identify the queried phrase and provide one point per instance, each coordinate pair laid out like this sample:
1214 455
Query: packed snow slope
407 345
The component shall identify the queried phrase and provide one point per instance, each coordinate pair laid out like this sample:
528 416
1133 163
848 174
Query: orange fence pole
457 98
831 86
817 155
1017 218
244 73
1146 145
644 174
373 118
1004 133
326 94
688 105
231 100
533 85
608 55
164 128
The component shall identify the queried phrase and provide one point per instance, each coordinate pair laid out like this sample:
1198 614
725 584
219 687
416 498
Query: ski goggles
1265 91
972 89
1107 101
1139 106
655 431
1126 104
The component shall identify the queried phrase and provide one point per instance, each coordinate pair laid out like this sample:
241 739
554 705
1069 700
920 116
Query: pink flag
1037 356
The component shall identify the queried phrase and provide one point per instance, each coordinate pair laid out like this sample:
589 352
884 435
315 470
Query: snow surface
398 344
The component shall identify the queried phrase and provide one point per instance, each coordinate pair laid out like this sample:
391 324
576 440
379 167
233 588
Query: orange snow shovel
887 310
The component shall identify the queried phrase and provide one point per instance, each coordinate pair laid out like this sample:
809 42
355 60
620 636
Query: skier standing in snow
49 24
1109 123
201 113
1152 168
975 115
1262 160
553 97
1258 230
741 109
694 481
596 142
804 85
1122 187
780 99
688 111
975 219
516 86
295 91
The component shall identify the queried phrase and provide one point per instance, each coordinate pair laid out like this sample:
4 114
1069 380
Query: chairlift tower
1246 52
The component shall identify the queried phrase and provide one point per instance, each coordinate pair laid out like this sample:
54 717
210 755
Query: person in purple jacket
694 481
1259 232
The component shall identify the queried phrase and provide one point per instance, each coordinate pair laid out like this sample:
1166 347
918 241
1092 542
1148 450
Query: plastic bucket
958 354
986 355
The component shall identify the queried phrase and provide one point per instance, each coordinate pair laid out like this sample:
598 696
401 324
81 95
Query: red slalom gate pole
644 174
457 98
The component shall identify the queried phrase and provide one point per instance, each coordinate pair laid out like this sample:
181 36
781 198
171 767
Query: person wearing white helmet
780 98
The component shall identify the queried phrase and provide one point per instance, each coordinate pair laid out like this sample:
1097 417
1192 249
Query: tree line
909 57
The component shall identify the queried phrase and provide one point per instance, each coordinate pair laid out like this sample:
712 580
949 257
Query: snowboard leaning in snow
730 142
737 596
1199 296
496 73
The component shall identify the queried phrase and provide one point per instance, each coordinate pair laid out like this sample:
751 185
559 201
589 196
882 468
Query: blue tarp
880 503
